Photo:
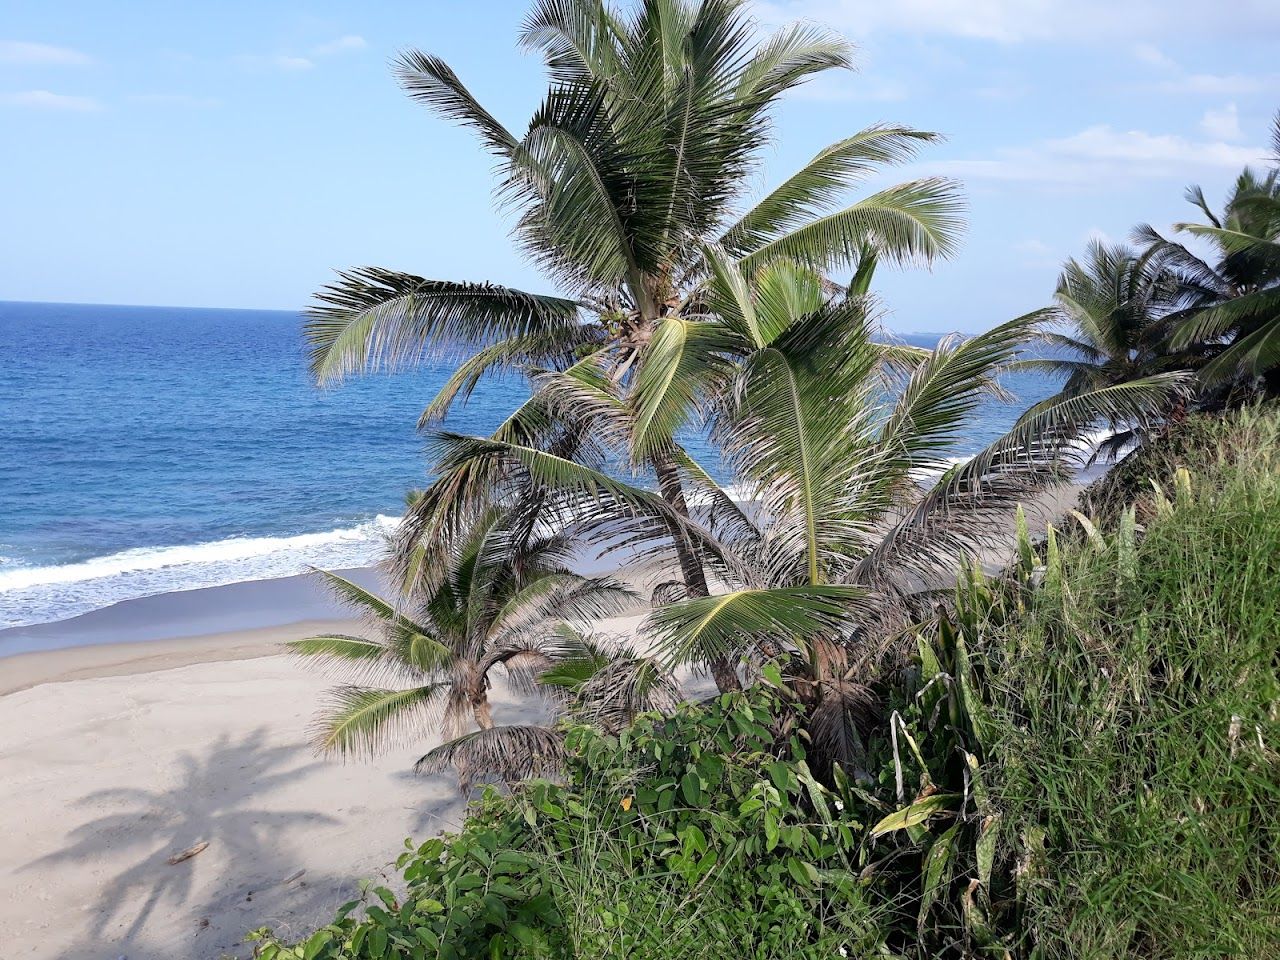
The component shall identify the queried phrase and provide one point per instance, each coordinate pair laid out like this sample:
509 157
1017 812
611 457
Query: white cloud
283 62
46 100
41 54
342 45
1180 80
295 63
1103 154
1013 21
292 63
848 87
1223 124
176 99
1152 55
1215 84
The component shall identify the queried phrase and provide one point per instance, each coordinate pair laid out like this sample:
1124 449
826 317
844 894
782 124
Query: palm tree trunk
691 570
481 711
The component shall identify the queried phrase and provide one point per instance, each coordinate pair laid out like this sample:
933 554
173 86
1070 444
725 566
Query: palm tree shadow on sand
212 800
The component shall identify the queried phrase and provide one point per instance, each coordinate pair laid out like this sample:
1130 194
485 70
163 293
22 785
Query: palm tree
1231 306
507 599
849 503
1110 327
638 159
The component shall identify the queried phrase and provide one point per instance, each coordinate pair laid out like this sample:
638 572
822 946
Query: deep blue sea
151 449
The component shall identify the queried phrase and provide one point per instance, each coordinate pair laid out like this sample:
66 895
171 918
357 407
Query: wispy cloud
850 87
1017 21
47 100
1178 79
295 62
1222 124
345 44
176 100
286 63
24 53
1219 84
1102 154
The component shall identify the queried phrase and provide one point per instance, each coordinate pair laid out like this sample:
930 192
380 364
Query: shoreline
200 611
22 671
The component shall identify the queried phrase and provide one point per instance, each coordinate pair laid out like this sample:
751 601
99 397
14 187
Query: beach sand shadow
213 798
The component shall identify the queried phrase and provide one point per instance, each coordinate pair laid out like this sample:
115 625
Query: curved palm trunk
691 570
481 710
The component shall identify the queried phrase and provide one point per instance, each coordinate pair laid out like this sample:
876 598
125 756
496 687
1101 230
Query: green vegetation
1139 704
1079 762
1073 759
507 600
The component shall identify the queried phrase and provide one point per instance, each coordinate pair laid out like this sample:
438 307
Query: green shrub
702 834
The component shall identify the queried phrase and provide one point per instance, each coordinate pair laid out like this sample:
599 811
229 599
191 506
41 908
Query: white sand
103 779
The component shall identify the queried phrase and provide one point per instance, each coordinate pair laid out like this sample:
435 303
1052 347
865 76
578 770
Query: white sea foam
39 594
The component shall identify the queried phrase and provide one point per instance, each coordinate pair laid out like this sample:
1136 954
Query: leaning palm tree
1231 302
639 157
507 600
1109 326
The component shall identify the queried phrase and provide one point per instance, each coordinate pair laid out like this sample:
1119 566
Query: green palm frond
381 319
789 58
682 370
430 81
708 628
1050 429
514 353
914 222
578 39
339 647
800 406
812 189
1253 355
944 391
365 602
361 721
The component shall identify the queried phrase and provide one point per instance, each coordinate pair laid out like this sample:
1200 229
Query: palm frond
502 357
844 713
361 721
682 369
623 687
1251 355
915 222
716 627
430 81
809 191
505 753
380 319
941 394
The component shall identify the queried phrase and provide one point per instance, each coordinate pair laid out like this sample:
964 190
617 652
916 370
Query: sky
233 154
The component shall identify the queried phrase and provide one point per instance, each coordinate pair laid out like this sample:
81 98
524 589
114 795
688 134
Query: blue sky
232 154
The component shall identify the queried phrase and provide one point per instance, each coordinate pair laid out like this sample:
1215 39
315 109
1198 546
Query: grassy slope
1141 706
1127 744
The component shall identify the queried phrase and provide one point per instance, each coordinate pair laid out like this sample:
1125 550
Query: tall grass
1141 708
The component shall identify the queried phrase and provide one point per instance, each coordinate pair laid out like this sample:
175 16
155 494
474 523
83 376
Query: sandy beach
155 747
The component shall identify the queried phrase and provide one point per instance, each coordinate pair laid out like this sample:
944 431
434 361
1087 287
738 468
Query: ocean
145 450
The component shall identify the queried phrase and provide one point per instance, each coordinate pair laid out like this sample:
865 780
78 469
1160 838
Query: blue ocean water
151 449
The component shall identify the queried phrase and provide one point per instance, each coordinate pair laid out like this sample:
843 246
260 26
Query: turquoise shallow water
151 449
